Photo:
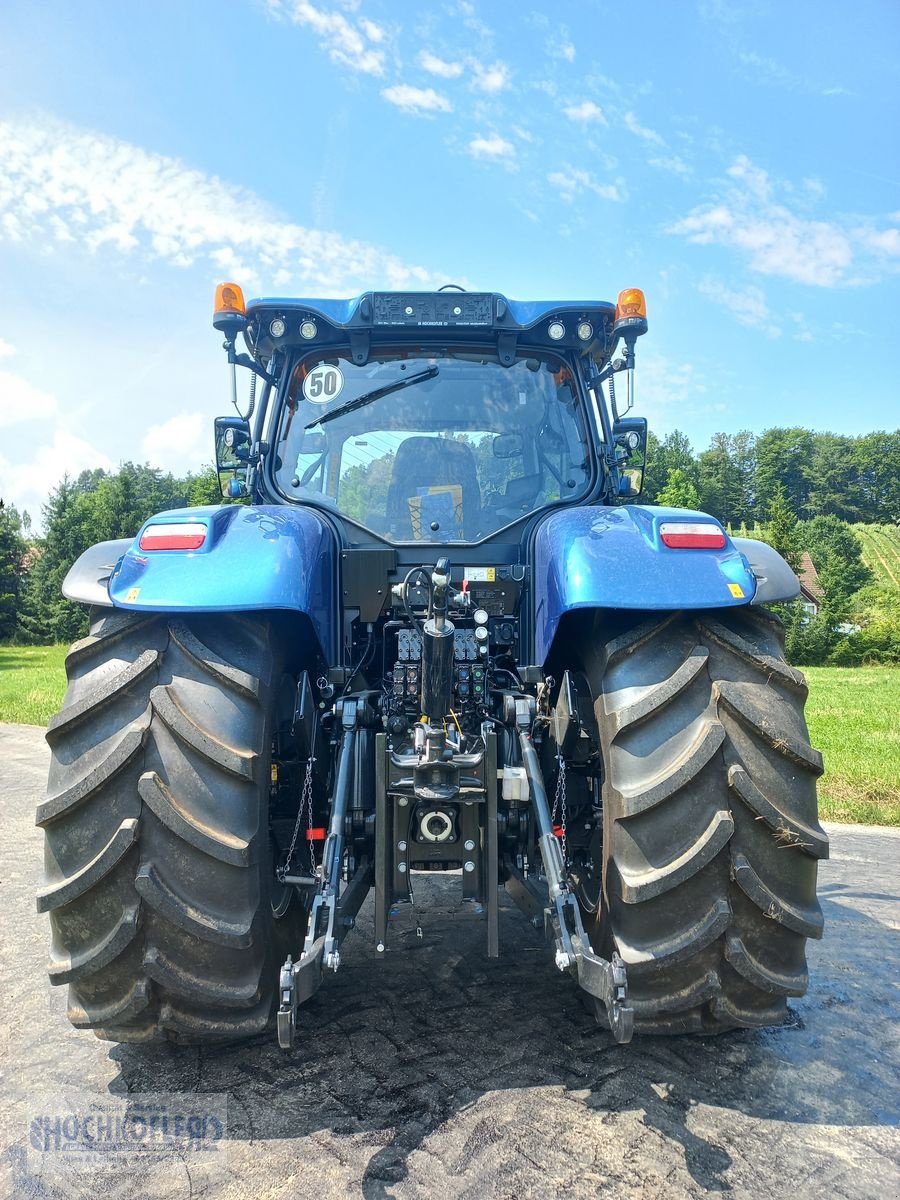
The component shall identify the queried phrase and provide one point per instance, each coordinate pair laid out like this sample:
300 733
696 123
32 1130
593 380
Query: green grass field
32 682
854 719
853 714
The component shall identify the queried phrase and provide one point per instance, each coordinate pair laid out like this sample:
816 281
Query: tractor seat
434 479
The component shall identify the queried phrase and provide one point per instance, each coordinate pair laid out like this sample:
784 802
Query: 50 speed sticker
323 383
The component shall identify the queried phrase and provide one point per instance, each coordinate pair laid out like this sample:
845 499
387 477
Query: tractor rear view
435 632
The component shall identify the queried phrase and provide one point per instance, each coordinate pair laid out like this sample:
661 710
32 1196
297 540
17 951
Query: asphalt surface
434 1072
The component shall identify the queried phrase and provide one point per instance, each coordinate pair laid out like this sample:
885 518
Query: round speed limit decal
323 383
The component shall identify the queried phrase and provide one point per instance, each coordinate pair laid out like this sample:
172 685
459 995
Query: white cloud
774 239
585 112
881 241
120 197
7 349
342 41
767 70
632 124
438 66
416 100
565 50
671 163
668 392
494 147
754 178
21 401
372 31
571 181
26 483
748 305
802 331
489 77
182 443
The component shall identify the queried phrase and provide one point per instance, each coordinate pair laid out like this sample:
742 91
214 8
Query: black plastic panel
443 308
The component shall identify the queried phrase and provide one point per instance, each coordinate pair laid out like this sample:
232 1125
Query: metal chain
305 805
560 804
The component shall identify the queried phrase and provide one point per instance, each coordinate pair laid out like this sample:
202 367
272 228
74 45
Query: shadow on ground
392 1048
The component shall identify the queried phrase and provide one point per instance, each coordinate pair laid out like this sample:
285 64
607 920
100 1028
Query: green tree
726 477
673 453
203 488
12 561
45 615
836 553
680 491
877 460
780 528
784 456
834 486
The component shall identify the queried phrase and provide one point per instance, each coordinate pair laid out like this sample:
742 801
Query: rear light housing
183 535
691 535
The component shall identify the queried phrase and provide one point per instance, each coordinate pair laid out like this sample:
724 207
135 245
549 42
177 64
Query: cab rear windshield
443 446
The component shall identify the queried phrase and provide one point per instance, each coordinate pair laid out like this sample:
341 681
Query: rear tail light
688 535
183 536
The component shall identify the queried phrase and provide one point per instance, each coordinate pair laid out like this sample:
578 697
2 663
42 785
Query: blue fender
615 558
253 558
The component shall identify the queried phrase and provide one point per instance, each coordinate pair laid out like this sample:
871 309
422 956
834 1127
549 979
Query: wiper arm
370 397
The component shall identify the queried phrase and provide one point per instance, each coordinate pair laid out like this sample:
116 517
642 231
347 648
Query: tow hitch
600 978
332 913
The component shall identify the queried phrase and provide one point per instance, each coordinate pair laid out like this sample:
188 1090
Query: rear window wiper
370 397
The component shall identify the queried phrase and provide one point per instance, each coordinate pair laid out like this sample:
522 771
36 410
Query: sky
739 161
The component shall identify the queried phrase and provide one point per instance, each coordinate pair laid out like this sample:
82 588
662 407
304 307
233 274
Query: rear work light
689 535
182 536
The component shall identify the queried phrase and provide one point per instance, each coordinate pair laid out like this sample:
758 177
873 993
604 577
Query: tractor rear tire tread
156 830
711 837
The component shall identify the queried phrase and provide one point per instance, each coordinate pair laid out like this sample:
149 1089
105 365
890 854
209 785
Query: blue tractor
431 629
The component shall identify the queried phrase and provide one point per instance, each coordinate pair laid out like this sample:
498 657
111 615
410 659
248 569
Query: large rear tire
158 867
711 837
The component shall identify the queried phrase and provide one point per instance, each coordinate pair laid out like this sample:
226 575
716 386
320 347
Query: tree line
798 489
856 479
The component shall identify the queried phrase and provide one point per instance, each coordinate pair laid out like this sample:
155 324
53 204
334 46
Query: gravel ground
434 1072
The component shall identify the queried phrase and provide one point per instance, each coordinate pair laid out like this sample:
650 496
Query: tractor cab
436 417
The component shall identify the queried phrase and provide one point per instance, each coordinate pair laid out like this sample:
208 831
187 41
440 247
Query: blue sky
739 161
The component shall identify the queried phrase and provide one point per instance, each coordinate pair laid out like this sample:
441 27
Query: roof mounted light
631 313
308 330
585 331
277 327
556 330
229 310
691 535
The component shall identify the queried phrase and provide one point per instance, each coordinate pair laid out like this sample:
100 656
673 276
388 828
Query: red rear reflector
685 535
316 835
185 535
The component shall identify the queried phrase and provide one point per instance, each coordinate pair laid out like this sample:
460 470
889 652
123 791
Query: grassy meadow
32 683
853 714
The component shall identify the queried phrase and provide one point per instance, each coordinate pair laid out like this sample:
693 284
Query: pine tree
780 529
12 556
